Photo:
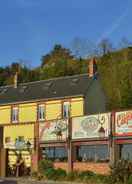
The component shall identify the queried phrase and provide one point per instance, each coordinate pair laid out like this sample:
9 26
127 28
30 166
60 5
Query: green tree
58 53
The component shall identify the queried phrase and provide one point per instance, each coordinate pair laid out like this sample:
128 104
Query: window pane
55 153
41 112
102 152
66 109
87 152
15 114
60 152
49 152
126 151
92 153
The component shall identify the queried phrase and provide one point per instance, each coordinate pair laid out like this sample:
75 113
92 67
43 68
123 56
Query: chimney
92 68
15 80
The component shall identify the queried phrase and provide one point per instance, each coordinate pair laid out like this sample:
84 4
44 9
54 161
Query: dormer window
66 110
41 112
22 89
14 114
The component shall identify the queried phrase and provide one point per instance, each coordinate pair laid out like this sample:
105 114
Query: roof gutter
43 99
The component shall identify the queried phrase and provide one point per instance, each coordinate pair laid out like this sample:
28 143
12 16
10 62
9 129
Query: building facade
64 120
36 119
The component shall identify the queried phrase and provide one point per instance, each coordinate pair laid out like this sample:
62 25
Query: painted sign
123 123
19 145
92 126
53 130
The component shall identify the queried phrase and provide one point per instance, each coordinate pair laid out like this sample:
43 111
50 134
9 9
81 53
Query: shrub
61 173
86 177
130 180
86 174
40 176
91 177
45 165
47 171
50 174
73 175
101 178
121 172
34 174
55 174
37 175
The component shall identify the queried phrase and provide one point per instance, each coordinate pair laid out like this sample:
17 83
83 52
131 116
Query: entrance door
14 157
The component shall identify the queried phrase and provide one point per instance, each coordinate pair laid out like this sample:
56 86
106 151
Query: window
66 110
7 139
41 112
126 151
22 89
55 153
97 153
3 90
15 114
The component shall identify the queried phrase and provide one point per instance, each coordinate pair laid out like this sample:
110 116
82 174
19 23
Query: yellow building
26 109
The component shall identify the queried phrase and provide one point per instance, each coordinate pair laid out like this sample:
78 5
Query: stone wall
100 168
62 165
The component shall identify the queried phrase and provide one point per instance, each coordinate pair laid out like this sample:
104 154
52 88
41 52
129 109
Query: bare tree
125 43
105 46
25 63
83 48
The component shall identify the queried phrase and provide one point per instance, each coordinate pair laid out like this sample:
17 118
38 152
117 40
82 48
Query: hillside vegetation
114 67
115 70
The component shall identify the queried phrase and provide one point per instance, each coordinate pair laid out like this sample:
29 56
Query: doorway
18 163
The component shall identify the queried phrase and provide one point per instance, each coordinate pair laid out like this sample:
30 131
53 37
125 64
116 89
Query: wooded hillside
115 70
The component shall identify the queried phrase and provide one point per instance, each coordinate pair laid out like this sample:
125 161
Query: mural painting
92 126
123 123
53 130
18 143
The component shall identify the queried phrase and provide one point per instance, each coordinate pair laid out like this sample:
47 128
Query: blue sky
30 28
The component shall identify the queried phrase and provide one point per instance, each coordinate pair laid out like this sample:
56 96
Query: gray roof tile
46 89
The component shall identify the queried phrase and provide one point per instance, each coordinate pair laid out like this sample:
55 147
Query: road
7 182
26 181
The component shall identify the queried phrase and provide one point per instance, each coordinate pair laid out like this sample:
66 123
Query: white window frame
66 106
15 114
41 114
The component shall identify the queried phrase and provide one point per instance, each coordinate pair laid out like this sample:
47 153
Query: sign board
90 126
18 145
53 130
123 123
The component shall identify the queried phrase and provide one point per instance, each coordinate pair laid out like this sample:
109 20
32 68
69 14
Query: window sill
93 161
13 122
41 120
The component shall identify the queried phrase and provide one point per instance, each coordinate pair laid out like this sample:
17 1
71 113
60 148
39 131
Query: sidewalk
34 181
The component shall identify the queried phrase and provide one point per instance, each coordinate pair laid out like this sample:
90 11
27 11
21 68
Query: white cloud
115 25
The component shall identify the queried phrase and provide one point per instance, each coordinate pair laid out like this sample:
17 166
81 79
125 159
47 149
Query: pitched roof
76 85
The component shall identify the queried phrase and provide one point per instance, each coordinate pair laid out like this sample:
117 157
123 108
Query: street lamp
101 132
